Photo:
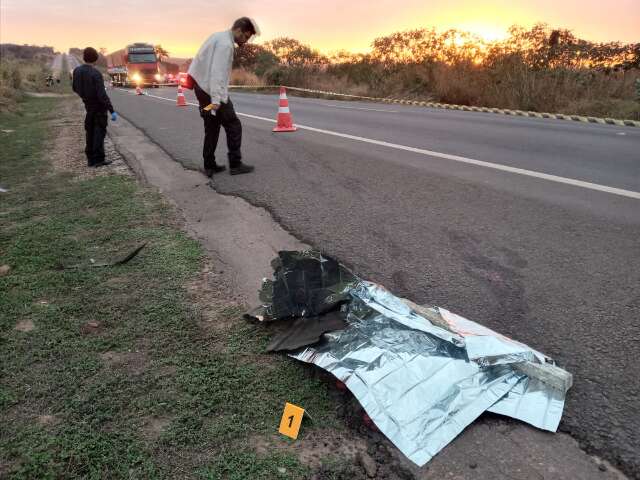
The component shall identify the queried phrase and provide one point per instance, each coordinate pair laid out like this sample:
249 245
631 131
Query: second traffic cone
285 121
138 90
181 101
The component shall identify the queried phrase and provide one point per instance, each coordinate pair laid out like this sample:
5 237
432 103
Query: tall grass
240 76
511 86
18 76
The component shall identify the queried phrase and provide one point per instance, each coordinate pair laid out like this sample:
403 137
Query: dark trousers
95 125
226 117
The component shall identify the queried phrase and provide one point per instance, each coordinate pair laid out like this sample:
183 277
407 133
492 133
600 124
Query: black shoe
216 169
240 169
104 163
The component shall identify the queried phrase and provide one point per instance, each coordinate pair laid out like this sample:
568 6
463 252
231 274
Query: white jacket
211 67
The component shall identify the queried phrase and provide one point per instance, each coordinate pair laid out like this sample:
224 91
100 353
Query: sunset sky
328 25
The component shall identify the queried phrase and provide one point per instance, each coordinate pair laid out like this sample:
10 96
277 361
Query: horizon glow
182 28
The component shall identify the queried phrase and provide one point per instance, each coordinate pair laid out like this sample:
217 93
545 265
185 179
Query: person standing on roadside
210 72
89 85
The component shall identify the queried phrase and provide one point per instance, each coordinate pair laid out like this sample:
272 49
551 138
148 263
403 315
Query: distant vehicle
136 65
185 80
171 79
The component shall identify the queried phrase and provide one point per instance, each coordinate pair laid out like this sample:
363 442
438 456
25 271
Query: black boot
102 163
241 168
216 169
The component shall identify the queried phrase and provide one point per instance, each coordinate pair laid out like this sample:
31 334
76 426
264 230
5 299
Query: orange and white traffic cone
285 121
138 90
181 101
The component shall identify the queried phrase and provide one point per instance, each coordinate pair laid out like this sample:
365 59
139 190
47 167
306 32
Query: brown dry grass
240 76
18 76
571 92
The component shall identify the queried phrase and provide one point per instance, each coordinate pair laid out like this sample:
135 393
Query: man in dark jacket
89 84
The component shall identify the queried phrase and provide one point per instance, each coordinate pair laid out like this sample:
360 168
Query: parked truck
137 64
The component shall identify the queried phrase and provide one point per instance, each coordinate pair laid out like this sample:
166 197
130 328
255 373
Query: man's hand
114 116
212 107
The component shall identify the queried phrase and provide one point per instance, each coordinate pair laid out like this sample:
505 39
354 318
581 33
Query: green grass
242 465
215 390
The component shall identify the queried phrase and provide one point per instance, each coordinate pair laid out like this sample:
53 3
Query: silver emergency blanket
423 374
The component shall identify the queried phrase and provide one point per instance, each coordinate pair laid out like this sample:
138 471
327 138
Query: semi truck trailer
135 65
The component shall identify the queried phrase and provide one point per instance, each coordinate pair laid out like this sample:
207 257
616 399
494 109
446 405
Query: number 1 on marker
291 420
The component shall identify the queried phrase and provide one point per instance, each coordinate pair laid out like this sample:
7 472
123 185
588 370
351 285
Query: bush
538 69
240 76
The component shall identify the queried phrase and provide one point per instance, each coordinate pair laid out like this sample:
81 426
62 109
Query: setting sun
488 33
182 28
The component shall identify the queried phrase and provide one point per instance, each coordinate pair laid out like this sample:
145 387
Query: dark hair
245 25
90 55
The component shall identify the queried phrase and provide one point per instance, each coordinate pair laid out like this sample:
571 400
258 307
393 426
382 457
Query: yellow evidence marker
291 420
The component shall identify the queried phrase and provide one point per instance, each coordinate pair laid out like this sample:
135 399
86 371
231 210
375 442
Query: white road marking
361 108
456 158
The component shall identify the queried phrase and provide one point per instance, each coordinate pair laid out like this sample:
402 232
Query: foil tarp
422 373
421 383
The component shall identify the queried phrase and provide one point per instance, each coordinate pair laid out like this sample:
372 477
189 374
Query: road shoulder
245 238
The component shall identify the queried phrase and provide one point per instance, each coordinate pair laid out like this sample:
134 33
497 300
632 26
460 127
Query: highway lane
56 65
554 265
560 147
72 62
61 61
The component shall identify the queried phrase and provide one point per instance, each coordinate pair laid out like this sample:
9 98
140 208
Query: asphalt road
62 59
547 253
56 65
72 62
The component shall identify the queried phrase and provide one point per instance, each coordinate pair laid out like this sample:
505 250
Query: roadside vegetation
538 69
144 370
23 68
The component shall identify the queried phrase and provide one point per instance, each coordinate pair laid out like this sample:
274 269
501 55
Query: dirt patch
118 281
24 326
4 270
338 454
47 95
315 447
323 444
91 328
219 306
167 371
154 426
47 420
67 153
134 363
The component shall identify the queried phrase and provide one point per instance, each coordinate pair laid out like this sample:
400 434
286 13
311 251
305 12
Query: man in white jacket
211 71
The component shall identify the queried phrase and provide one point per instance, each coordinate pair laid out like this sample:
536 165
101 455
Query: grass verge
108 372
